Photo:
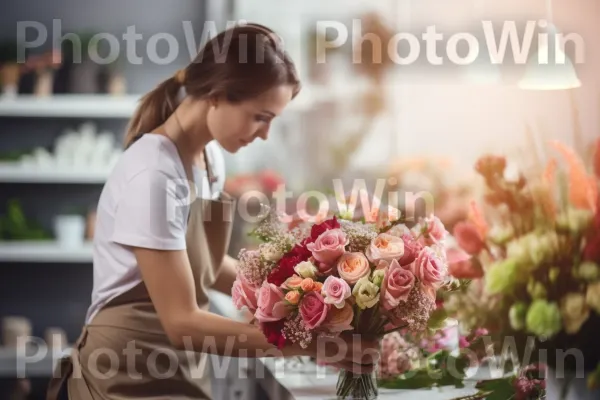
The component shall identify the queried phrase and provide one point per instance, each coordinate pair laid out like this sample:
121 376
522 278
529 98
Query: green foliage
440 369
15 226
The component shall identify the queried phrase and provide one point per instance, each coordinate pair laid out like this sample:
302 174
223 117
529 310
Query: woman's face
236 125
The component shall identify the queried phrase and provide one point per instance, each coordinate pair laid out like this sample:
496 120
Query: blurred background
420 127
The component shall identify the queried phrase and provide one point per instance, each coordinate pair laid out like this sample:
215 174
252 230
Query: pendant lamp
554 74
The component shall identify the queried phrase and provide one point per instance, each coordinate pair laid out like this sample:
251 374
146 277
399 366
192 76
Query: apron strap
209 171
64 369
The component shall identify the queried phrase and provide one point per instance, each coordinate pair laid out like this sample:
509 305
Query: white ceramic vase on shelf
70 230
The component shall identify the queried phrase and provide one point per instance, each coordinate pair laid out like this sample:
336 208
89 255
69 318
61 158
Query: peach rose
396 286
385 247
293 282
353 266
329 246
313 309
339 319
271 304
428 268
292 297
307 285
244 294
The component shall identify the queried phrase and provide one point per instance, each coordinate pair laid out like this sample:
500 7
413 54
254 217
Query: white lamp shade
555 74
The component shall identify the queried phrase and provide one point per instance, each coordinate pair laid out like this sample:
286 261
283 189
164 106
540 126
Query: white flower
366 293
378 276
306 269
270 252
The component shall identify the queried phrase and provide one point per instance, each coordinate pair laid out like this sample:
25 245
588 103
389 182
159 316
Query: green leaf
437 320
501 388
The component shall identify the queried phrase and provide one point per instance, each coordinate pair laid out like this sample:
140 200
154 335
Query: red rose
318 229
286 265
301 251
284 270
273 331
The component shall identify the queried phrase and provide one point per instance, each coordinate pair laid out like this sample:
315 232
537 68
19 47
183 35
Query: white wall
440 114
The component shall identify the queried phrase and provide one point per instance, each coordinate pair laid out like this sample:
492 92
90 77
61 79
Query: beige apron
124 353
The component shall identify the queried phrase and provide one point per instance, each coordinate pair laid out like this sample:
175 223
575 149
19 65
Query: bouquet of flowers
339 275
533 254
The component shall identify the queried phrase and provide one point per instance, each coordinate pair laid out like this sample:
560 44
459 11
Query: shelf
70 106
15 173
43 251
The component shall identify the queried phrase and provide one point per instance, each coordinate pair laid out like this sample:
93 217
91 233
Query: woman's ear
213 101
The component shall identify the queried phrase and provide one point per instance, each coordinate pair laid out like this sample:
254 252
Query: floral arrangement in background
266 182
435 176
342 276
533 251
411 361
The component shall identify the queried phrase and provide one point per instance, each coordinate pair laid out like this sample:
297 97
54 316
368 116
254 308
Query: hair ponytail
154 109
237 64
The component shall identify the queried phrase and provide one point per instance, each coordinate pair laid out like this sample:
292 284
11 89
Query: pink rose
353 266
313 309
385 247
339 319
244 294
428 268
412 248
336 291
271 303
329 246
431 230
396 285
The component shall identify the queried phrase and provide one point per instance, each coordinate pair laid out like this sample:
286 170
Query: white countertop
291 379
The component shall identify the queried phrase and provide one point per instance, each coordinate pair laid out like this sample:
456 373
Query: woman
158 248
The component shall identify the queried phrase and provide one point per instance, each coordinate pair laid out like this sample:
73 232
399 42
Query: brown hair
224 67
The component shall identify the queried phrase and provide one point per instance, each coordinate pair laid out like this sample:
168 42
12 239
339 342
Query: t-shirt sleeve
151 212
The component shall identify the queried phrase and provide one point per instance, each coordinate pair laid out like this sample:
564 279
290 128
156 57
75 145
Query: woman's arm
169 279
226 276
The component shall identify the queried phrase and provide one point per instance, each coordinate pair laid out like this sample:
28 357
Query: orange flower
596 161
582 189
307 285
477 219
318 286
293 282
293 297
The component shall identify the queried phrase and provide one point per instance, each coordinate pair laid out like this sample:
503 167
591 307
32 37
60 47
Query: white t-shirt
144 204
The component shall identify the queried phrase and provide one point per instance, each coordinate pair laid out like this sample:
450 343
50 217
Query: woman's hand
352 352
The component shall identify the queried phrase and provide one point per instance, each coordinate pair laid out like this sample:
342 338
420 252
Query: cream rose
385 247
366 293
306 269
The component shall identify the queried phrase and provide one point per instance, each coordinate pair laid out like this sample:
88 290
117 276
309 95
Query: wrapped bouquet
533 252
312 280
